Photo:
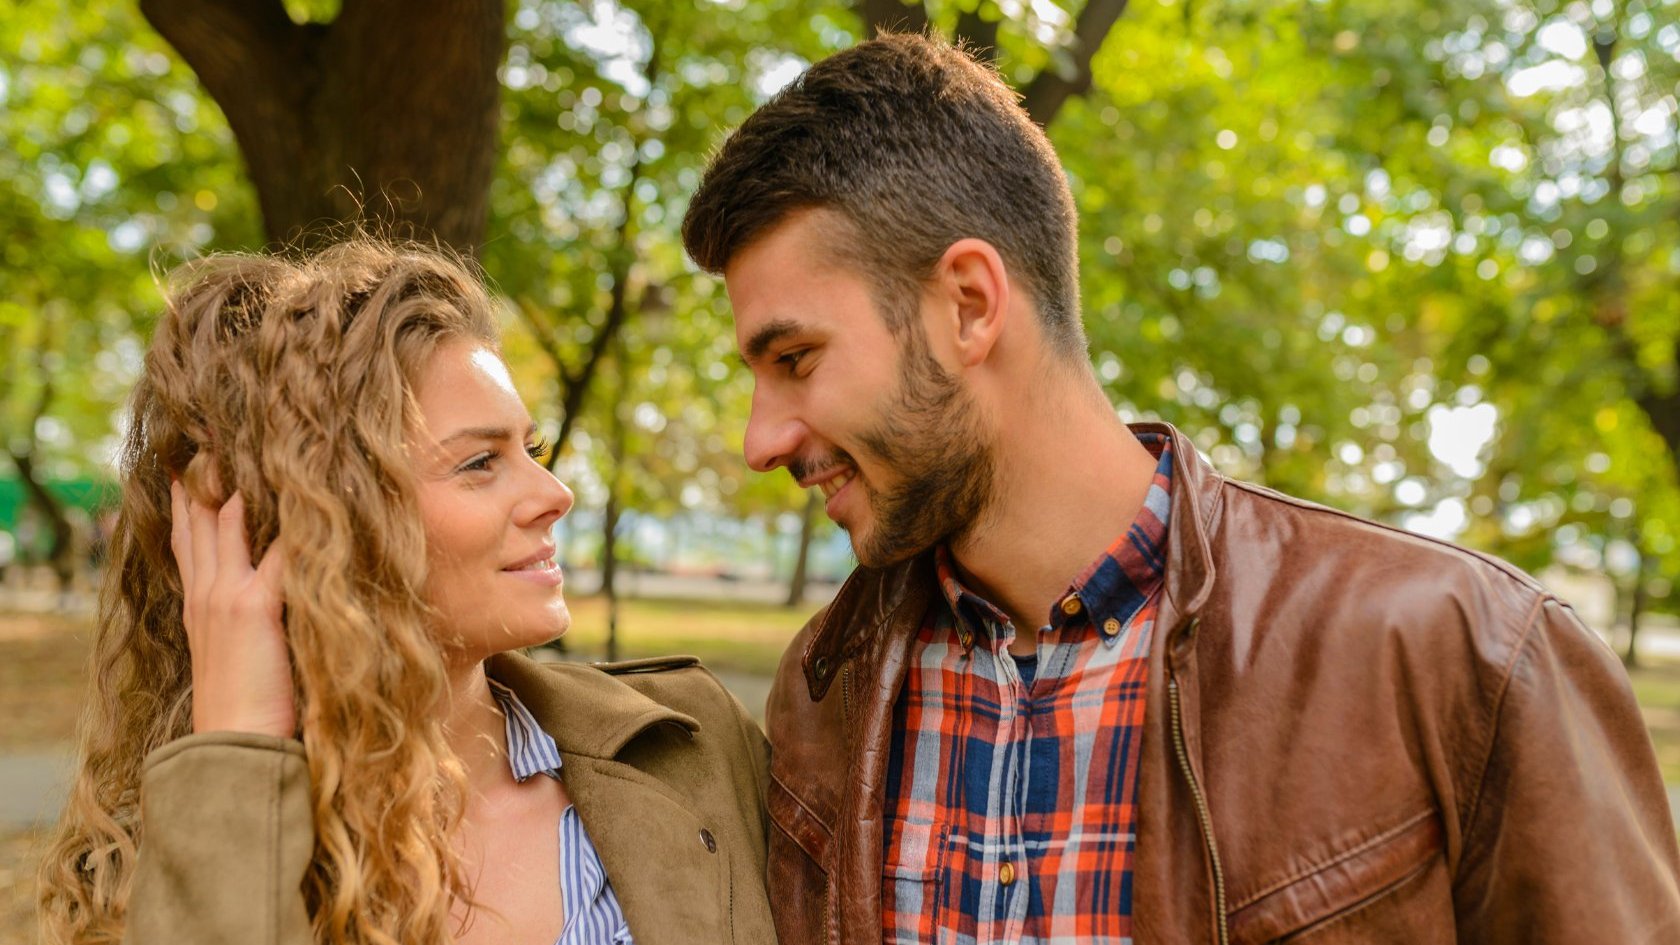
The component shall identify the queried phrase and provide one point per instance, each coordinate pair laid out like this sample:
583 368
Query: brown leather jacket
1352 734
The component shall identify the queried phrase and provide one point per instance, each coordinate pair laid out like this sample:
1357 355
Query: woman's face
488 506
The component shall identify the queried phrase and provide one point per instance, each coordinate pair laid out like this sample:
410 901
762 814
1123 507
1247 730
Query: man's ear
975 285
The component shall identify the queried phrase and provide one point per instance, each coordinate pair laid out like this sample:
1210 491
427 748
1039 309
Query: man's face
867 415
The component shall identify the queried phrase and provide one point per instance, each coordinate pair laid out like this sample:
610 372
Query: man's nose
772 439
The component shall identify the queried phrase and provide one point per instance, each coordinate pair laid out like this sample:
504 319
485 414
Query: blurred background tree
1414 260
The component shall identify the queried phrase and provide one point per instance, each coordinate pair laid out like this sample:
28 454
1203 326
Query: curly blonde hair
291 380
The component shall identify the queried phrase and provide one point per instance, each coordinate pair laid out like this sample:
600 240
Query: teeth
542 565
831 486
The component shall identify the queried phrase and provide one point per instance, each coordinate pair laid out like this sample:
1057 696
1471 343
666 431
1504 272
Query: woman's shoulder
589 702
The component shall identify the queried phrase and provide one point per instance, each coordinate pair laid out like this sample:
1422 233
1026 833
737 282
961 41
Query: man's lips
831 482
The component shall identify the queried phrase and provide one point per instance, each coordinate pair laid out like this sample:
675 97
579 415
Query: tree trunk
807 527
1606 287
617 436
1641 597
61 553
1663 409
609 567
387 115
1068 76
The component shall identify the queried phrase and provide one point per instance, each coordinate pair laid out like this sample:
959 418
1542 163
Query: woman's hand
241 671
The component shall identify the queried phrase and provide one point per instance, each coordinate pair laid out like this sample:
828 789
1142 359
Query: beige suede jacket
667 772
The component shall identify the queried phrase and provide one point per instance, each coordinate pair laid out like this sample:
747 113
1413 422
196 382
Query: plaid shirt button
1111 627
1071 605
1006 874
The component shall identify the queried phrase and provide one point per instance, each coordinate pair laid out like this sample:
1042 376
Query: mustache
805 467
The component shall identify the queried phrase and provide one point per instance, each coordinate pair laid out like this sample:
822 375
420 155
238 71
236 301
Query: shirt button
1070 604
709 840
1006 874
1111 627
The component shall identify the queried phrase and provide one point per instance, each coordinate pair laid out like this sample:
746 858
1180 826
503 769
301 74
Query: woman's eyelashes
485 461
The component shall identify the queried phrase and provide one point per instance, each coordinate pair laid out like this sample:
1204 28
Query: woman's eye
538 450
479 463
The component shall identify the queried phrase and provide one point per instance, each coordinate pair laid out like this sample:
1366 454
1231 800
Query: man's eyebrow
485 433
766 336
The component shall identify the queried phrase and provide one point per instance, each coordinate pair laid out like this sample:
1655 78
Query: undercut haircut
913 145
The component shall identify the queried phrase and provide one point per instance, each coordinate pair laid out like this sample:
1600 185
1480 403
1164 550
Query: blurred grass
42 673
744 637
1656 684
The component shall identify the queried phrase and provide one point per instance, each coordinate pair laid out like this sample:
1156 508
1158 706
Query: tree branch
238 48
980 32
1051 89
259 67
1663 409
575 387
898 16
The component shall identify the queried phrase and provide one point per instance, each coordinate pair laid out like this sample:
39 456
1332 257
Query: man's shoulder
1299 528
1344 571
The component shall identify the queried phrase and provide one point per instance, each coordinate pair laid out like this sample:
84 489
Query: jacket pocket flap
1317 892
796 820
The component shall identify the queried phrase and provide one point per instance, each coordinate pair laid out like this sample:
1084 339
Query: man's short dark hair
915 145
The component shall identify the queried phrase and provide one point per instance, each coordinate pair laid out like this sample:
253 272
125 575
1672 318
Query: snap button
1070 604
821 667
1006 874
1111 627
709 840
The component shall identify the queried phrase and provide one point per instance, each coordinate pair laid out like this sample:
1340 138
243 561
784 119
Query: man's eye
791 359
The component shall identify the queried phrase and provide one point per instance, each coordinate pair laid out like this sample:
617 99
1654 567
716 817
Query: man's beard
931 437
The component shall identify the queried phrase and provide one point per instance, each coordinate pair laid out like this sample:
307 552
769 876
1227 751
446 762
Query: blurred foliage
1417 260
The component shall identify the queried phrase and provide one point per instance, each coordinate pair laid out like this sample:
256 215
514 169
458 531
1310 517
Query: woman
308 719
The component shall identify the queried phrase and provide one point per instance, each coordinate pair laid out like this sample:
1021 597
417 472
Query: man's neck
1070 480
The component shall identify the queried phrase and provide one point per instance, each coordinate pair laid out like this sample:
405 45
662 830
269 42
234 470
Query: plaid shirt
1010 805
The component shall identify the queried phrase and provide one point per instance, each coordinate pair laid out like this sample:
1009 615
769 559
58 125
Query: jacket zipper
1202 813
846 694
845 722
828 900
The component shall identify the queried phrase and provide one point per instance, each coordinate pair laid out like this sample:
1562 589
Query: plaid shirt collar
1112 587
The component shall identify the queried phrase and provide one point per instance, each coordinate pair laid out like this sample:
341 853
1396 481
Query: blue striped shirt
593 916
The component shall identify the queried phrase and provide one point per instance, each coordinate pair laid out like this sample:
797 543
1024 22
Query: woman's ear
975 285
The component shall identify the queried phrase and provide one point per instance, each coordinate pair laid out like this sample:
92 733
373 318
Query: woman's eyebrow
485 433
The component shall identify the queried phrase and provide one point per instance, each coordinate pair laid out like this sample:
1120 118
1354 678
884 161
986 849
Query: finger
233 555
272 569
180 534
202 522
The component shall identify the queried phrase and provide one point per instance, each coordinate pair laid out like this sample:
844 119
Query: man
1082 687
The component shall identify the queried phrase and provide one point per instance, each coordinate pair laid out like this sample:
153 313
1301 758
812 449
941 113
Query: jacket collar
588 712
872 597
1195 501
